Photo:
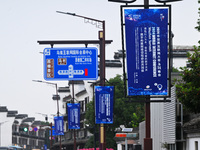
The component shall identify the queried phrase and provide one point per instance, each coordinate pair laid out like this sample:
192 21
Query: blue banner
73 116
59 125
146 51
53 131
104 97
70 63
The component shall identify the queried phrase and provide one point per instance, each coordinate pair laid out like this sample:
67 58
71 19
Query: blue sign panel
59 125
104 96
146 51
53 131
73 116
45 147
70 64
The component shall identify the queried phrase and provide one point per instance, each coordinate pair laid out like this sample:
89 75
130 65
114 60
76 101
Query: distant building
20 130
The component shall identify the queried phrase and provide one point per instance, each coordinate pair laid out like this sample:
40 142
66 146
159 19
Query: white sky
24 22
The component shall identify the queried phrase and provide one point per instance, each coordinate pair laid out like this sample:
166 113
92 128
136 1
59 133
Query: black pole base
148 144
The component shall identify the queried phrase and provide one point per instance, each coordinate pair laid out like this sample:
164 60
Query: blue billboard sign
59 125
104 97
73 116
70 63
146 51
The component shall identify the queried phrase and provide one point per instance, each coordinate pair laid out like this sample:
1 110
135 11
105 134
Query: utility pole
102 66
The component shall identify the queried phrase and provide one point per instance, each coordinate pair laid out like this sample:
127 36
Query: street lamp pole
55 84
102 145
57 98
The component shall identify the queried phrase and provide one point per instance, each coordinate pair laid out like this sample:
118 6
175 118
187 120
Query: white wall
163 123
6 129
191 143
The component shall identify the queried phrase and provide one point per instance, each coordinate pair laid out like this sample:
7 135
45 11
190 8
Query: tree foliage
198 21
188 90
123 113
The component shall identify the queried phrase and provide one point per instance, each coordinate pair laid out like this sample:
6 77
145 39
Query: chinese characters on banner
70 63
59 125
104 96
146 51
73 116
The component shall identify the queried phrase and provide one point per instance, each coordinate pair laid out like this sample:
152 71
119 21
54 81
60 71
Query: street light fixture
122 1
102 64
166 1
57 96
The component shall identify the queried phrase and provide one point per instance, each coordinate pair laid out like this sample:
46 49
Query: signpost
73 116
147 47
104 96
70 64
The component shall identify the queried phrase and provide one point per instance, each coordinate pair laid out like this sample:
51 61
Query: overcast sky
24 22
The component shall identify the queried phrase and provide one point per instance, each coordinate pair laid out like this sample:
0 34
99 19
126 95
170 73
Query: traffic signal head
25 129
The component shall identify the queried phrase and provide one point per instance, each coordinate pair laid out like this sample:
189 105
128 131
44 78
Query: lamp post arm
73 14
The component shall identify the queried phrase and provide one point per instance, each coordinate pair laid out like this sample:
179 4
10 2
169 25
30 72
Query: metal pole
148 139
126 144
73 102
58 112
94 137
102 67
102 145
51 136
57 100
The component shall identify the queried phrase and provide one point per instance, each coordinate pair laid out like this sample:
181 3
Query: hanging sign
73 116
104 96
59 125
146 51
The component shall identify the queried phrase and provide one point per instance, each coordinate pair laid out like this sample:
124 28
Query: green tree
198 21
188 90
123 113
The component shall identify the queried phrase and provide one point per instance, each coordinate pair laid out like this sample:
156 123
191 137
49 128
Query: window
196 145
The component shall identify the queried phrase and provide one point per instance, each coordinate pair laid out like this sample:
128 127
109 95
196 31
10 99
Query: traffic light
25 129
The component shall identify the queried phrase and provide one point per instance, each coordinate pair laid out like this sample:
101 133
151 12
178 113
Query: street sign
59 125
30 129
73 116
104 97
146 51
127 130
126 135
70 63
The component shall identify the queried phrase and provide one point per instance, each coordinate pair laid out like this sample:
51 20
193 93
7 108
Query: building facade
20 130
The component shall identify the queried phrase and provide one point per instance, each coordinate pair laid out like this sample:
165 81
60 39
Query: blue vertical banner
53 131
146 51
59 125
45 147
73 116
104 97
